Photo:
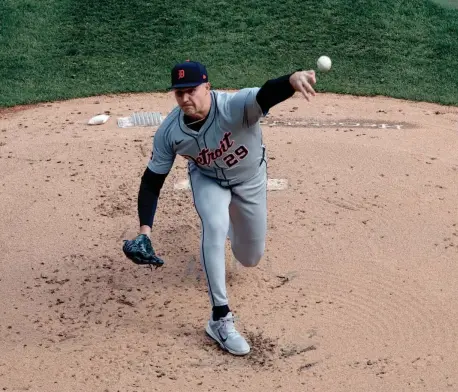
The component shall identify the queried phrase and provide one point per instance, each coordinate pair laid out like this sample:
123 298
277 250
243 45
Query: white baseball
324 63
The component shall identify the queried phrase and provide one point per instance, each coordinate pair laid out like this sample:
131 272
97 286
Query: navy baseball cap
188 74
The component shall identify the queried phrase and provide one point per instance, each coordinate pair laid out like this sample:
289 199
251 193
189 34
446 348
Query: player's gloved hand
141 252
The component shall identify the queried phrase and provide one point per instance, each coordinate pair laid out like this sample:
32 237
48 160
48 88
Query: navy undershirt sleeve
148 195
273 92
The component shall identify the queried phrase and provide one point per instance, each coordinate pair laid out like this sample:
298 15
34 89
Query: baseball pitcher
219 134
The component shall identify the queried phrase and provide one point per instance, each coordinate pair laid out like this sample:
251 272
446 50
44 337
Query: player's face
194 101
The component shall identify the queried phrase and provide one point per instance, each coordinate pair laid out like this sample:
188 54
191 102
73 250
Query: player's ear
208 86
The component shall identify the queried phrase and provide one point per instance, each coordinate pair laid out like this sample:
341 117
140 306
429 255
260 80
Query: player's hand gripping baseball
303 82
140 251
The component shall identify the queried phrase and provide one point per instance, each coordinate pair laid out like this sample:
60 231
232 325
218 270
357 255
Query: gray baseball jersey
228 147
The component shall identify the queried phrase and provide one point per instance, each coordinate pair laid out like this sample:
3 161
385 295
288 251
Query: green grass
61 49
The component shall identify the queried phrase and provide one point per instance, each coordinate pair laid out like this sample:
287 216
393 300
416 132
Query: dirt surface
357 290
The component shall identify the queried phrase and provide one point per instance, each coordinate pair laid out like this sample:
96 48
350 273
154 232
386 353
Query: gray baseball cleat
225 334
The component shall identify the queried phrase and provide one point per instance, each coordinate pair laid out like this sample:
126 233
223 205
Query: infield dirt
357 291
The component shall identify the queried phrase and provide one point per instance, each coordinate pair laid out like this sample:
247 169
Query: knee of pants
216 228
249 255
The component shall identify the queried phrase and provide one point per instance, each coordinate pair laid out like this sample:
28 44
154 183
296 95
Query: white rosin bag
141 119
99 119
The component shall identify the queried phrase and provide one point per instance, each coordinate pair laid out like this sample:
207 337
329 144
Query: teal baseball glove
140 251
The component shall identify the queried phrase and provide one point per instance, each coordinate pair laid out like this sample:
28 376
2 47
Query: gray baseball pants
239 212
